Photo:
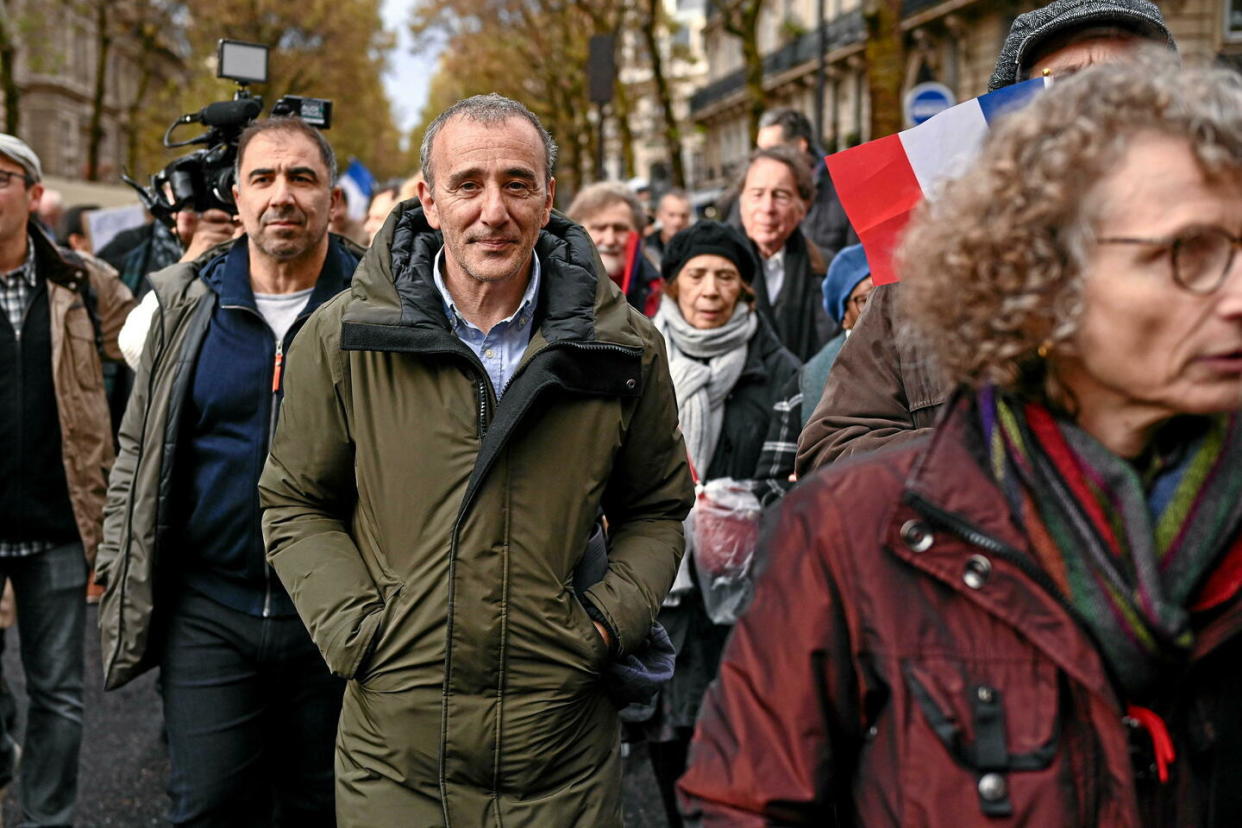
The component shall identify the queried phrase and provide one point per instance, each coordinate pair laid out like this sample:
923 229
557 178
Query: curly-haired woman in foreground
1033 616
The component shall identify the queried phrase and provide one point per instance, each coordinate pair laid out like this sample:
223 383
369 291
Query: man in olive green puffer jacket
452 428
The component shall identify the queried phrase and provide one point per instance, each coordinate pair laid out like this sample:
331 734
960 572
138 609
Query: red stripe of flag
878 190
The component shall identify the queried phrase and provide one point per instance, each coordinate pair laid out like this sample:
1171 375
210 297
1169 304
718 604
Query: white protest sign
103 225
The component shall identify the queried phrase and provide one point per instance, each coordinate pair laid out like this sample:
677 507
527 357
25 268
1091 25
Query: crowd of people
419 520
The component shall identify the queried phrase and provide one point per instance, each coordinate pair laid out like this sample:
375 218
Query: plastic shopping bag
726 531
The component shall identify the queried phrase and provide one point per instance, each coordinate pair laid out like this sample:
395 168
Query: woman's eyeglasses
1201 258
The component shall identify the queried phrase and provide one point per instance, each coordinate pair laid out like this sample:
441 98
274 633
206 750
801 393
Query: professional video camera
203 180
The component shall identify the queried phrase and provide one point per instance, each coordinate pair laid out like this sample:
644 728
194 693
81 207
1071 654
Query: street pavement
125 765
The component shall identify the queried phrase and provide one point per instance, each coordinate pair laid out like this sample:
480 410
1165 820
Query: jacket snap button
916 535
985 694
631 383
872 732
978 568
992 787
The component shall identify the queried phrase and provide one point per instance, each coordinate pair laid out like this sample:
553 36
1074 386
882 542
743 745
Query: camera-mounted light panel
240 61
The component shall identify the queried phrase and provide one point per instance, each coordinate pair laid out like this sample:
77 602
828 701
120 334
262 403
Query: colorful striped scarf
1127 545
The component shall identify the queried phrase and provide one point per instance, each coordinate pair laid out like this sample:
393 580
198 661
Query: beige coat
73 283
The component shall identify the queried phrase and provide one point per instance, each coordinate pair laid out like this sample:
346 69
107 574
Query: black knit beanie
708 237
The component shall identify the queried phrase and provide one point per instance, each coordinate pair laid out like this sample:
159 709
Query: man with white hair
614 218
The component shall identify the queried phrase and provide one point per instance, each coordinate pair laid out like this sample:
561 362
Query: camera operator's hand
201 232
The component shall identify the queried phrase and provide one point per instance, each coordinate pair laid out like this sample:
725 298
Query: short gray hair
601 195
491 108
676 193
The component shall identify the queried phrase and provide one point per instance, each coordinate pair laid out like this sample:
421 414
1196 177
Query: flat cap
19 151
1032 30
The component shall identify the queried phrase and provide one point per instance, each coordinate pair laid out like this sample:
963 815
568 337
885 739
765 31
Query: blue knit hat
848 268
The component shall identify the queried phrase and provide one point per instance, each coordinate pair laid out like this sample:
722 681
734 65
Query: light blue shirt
500 349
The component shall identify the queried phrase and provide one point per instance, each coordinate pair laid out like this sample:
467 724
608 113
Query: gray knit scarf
702 387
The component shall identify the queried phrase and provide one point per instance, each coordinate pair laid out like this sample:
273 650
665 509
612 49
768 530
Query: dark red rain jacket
904 663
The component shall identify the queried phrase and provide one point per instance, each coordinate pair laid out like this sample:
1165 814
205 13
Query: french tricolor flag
882 181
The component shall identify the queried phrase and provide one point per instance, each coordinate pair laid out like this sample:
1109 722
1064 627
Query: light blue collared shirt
500 349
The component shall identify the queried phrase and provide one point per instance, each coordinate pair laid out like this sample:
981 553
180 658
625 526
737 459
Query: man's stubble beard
301 246
463 263
277 249
491 280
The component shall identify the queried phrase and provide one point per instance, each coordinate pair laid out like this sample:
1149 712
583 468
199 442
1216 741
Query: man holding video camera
249 705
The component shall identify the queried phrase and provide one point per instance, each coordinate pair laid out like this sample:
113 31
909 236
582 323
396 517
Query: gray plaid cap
1031 30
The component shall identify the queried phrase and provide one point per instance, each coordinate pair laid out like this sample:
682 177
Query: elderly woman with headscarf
1033 615
729 372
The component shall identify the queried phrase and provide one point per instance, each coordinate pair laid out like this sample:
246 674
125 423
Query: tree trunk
741 19
8 65
595 140
886 65
580 135
578 145
756 99
671 131
569 174
622 108
104 39
131 119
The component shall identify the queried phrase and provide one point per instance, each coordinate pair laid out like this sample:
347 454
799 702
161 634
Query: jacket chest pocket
997 722
83 354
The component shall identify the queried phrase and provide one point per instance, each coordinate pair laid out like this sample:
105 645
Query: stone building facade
56 54
954 42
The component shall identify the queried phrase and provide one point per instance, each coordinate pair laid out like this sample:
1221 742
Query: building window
1233 20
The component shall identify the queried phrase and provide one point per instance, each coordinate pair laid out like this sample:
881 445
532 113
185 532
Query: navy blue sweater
224 433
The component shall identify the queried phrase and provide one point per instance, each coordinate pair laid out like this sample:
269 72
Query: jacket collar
227 273
394 285
51 263
587 342
793 254
953 506
950 490
952 478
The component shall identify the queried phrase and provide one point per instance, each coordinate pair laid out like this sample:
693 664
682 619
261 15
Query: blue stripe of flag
1006 99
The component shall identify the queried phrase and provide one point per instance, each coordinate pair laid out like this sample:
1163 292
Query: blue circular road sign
927 99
